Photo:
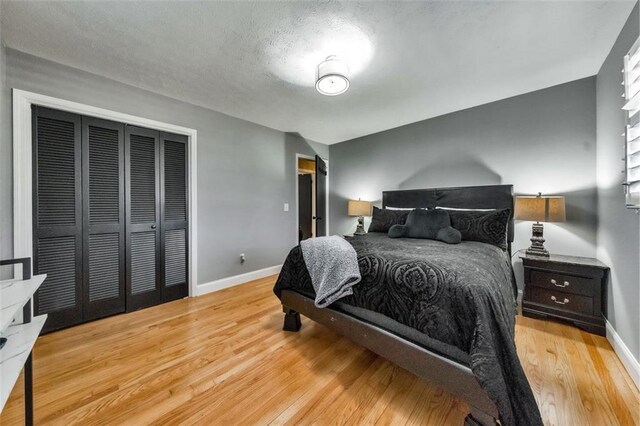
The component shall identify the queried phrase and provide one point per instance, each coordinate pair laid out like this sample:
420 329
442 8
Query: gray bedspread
462 295
333 267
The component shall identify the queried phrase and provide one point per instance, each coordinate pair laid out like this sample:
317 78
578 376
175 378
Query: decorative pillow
397 231
429 224
484 226
383 219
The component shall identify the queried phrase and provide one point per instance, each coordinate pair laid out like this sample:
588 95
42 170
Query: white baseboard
626 357
236 279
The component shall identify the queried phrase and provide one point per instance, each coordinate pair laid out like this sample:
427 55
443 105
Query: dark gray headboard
470 197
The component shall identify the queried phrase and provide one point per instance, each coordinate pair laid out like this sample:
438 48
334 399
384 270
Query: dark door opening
305 207
306 198
312 198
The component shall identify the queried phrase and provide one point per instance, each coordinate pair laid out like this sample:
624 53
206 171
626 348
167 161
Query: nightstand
566 288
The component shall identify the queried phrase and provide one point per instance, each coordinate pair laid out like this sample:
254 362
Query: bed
444 312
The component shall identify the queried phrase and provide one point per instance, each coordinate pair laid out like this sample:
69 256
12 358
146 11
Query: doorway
311 197
306 198
23 169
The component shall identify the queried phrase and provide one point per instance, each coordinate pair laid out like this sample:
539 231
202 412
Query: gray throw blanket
333 266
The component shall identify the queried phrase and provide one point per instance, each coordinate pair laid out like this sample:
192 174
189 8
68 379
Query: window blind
632 135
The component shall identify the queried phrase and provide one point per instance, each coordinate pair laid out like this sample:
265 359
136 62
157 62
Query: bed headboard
469 197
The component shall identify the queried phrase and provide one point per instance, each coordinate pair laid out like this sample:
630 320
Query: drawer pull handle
564 302
565 284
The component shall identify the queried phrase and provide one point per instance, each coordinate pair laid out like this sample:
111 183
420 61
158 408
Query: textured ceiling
256 61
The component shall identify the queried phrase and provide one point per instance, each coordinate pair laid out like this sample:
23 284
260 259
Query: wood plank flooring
223 359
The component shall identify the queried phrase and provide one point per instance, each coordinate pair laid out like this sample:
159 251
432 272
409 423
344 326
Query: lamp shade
359 208
540 209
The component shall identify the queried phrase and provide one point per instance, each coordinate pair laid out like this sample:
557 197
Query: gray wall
618 227
542 141
245 171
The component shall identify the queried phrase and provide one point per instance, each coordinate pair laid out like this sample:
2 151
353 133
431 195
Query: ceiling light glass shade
332 77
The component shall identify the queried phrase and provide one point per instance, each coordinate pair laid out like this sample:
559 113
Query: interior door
174 217
142 189
321 197
104 218
57 216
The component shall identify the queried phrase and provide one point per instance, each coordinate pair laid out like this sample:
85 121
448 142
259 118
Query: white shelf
14 354
14 294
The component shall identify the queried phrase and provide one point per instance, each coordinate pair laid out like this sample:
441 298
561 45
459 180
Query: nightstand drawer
564 283
559 300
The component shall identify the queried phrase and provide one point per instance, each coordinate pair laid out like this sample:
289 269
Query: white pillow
400 208
463 209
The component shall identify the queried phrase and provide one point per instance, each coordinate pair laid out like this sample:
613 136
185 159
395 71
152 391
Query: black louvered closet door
110 219
57 216
142 179
174 236
104 217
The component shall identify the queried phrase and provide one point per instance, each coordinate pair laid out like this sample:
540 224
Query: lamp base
537 242
360 228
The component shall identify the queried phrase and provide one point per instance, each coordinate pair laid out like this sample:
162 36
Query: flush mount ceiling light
332 77
293 55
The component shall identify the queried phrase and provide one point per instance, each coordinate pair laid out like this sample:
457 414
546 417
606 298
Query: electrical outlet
242 258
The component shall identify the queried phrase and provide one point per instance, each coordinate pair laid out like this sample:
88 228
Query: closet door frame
103 307
23 184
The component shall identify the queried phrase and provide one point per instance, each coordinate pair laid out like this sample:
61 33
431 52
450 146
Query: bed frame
451 376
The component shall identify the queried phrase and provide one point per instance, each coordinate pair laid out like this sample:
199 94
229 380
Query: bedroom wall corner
618 227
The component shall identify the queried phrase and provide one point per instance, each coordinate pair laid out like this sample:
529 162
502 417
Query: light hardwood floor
223 359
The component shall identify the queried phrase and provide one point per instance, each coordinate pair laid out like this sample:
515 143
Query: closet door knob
153 226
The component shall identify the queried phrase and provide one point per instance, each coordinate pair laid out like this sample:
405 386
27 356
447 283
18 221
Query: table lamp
539 209
360 209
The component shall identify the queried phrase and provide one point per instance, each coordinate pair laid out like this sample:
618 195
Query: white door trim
326 162
22 168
